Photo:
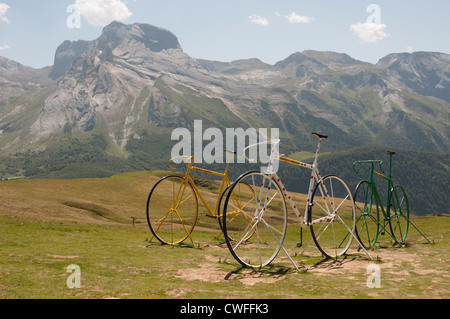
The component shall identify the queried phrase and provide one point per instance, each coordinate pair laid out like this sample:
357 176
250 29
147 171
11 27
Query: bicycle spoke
267 204
248 230
270 227
235 216
324 226
237 199
325 210
183 220
259 242
180 195
240 210
162 202
260 194
181 203
365 226
401 203
161 220
343 201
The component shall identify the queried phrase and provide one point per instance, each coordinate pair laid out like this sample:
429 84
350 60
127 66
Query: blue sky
30 31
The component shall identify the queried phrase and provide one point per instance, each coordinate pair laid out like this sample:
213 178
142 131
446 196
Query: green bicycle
368 205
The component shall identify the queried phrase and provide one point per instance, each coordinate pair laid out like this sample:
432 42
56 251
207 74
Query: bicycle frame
188 179
329 208
372 182
390 191
179 197
376 195
316 177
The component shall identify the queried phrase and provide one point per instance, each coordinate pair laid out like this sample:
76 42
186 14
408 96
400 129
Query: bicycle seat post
320 137
390 162
372 169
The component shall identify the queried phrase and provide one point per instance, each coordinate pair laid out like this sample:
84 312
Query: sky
31 31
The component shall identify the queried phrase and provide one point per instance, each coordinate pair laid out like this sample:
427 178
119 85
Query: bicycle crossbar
208 171
298 163
381 175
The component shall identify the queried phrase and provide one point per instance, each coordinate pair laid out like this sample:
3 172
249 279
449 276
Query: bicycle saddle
319 136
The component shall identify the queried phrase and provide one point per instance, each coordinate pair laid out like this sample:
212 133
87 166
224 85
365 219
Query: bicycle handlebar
367 162
275 142
185 162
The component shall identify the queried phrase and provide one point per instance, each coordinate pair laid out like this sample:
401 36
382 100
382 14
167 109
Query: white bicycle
255 229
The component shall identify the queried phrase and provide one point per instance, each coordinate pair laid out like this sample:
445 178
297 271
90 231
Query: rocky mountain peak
427 73
329 57
410 58
115 35
155 39
66 54
319 58
7 64
16 78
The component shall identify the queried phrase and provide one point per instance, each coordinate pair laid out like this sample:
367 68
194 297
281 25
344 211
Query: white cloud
296 18
103 12
409 49
259 20
3 8
369 32
4 47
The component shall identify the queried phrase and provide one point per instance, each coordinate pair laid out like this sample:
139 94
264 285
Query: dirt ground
400 269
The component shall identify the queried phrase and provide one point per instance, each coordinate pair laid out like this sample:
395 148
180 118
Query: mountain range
110 105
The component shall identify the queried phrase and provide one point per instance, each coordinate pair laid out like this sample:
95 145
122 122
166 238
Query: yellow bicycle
172 205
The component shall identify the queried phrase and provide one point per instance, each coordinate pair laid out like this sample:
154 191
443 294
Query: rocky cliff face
66 54
101 80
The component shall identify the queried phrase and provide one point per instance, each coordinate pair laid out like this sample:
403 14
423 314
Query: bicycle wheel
332 216
172 210
399 214
254 219
367 215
